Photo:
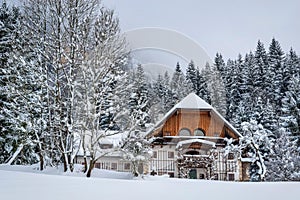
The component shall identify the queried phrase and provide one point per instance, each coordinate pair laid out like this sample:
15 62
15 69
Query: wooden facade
194 119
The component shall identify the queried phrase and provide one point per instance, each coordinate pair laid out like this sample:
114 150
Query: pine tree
275 72
202 87
232 91
220 65
284 161
19 91
256 144
179 86
290 114
168 93
267 116
9 25
139 100
191 76
290 70
259 69
217 91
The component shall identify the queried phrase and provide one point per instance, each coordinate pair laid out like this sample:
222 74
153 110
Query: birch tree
99 77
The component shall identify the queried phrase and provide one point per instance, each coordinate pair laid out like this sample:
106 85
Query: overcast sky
229 27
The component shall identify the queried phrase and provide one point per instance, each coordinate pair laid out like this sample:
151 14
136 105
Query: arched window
199 132
184 132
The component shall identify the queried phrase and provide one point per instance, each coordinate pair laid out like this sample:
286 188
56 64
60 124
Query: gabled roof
192 101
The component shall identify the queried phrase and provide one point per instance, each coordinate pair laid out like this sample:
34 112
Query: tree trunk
91 167
71 163
41 161
65 161
85 167
135 171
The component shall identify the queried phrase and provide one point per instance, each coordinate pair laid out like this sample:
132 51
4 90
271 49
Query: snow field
16 185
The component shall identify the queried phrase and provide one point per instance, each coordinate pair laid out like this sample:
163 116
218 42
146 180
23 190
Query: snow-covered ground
25 183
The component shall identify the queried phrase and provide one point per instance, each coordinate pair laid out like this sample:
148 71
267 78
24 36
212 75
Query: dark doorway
193 174
201 176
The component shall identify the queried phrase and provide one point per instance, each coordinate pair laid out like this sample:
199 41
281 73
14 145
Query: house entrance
194 167
193 174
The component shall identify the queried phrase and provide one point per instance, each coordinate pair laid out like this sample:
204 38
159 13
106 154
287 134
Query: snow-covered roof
192 101
195 141
247 159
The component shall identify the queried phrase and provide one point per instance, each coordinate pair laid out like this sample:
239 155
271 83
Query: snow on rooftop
192 101
194 141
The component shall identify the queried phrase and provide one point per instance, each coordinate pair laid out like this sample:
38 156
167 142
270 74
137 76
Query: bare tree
100 77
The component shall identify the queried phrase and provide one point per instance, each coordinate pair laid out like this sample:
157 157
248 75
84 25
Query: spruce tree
191 76
179 86
275 72
202 87
9 25
259 69
19 91
139 100
284 161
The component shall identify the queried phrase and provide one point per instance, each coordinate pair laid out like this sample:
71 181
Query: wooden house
189 142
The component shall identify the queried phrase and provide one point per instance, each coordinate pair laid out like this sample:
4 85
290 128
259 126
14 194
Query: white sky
229 27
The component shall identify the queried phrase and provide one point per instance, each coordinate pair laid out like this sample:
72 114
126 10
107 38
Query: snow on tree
139 99
259 69
19 91
233 92
197 82
9 23
137 150
216 88
179 86
284 162
134 146
256 144
202 86
220 65
275 73
191 76
99 78
168 104
290 114
161 99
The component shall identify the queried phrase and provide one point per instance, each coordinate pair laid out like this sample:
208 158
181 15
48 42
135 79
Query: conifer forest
67 82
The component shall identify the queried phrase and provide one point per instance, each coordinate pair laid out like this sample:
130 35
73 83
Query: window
170 154
231 177
127 166
230 156
216 176
97 165
199 132
114 166
184 132
201 176
154 154
171 174
167 133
